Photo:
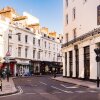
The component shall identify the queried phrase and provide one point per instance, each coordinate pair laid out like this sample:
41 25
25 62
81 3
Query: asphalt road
44 88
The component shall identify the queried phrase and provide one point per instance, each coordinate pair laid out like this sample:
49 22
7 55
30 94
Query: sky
49 12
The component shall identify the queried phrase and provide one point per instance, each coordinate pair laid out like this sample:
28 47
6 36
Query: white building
30 49
81 37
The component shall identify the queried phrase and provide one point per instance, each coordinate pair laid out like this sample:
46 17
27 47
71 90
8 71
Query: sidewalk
7 87
88 84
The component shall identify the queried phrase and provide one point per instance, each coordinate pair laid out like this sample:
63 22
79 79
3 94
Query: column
67 63
81 62
93 63
63 59
74 65
15 70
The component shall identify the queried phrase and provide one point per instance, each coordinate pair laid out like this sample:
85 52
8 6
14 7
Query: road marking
43 83
71 87
20 89
80 91
56 92
92 91
29 93
20 92
61 89
43 93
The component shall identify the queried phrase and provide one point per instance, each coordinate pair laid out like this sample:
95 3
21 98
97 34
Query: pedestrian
8 74
3 74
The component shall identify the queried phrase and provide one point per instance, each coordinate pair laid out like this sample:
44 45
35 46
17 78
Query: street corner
8 93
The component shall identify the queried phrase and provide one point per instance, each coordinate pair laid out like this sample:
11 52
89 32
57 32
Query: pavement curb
10 93
75 84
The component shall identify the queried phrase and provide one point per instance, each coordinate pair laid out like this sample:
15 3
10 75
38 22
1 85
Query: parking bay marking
71 87
61 89
43 83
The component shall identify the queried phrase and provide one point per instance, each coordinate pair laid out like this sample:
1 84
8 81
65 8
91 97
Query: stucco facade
81 37
30 48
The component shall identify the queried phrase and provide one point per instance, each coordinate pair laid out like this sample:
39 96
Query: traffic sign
8 53
7 59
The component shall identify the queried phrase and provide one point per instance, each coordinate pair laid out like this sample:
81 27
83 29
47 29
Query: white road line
80 91
56 92
61 89
19 87
29 93
92 91
43 83
43 93
71 87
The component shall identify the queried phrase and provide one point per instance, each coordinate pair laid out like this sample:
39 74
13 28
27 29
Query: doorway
86 62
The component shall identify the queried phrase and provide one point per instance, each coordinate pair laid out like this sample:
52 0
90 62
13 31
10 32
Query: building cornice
23 29
82 37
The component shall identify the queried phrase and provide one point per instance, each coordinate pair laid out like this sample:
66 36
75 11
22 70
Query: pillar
93 63
81 62
74 65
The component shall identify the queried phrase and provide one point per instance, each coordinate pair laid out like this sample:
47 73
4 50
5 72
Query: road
44 88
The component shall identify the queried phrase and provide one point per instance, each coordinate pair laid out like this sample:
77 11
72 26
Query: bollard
1 85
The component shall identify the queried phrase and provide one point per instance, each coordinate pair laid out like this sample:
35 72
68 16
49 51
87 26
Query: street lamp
8 54
97 51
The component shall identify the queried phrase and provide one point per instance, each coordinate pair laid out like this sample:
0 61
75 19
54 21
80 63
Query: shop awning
23 64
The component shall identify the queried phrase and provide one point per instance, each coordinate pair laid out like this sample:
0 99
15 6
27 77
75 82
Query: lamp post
97 51
7 56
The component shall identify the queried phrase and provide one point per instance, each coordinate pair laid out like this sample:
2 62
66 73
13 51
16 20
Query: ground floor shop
79 57
45 67
27 67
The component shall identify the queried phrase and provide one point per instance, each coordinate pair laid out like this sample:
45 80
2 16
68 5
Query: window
67 19
45 54
57 47
26 52
19 37
74 13
49 55
19 51
98 15
38 42
54 46
66 37
45 35
33 41
26 38
49 45
74 33
66 3
10 49
84 1
54 57
45 44
34 53
38 54
10 34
